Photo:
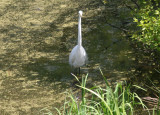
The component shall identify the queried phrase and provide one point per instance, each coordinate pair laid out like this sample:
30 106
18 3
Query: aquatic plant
109 101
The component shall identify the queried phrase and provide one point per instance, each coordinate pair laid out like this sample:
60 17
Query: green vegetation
120 101
106 101
147 17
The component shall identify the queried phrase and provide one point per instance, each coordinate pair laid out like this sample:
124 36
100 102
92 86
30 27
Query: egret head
80 13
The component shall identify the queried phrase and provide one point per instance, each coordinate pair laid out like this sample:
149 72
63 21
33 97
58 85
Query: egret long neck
79 32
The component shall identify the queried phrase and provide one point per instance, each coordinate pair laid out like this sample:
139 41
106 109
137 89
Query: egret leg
79 70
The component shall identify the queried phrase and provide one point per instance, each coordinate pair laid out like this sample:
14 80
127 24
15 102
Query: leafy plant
148 19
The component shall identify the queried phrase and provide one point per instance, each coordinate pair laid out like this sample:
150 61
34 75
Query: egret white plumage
78 56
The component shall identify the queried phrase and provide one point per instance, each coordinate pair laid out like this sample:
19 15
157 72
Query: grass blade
99 98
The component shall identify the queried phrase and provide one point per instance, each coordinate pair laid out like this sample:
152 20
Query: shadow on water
110 52
48 69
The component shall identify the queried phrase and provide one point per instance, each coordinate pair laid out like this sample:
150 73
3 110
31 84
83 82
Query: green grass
103 101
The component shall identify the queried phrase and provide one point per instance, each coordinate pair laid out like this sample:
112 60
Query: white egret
78 56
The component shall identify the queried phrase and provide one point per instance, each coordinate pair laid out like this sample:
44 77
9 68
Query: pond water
36 39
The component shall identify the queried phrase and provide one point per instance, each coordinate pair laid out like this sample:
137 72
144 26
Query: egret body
78 56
